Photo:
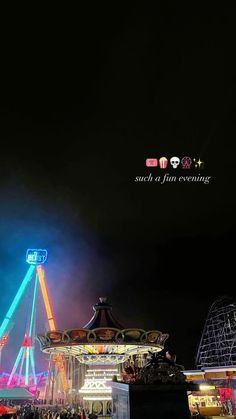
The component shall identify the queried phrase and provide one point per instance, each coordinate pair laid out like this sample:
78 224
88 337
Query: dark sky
86 97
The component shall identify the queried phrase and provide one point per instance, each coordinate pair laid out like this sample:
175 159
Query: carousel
103 345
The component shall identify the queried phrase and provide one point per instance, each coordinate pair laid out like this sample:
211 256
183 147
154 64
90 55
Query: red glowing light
26 342
225 393
3 341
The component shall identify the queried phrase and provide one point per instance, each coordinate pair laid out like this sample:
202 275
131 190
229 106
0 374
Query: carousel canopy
103 316
102 340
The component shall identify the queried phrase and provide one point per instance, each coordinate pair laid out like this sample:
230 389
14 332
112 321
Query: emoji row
175 162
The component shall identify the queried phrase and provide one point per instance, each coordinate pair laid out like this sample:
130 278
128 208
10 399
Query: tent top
16 393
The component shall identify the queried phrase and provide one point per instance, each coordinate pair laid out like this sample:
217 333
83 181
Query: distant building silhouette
218 342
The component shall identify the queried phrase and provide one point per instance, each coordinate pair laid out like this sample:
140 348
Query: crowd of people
31 411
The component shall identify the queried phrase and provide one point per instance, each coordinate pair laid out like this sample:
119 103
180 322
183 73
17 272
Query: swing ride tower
23 372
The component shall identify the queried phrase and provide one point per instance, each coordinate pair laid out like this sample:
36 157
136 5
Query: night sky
86 97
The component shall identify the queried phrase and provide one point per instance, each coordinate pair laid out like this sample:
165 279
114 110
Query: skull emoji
174 161
186 162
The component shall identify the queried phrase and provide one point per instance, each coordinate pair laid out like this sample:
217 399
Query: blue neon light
36 256
32 364
15 365
33 306
16 300
27 366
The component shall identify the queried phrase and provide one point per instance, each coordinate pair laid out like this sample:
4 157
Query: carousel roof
103 340
103 316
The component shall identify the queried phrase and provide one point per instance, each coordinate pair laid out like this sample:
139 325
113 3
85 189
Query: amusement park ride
96 351
102 346
23 372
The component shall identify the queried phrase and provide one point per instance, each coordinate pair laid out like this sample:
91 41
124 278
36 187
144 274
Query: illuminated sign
36 256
